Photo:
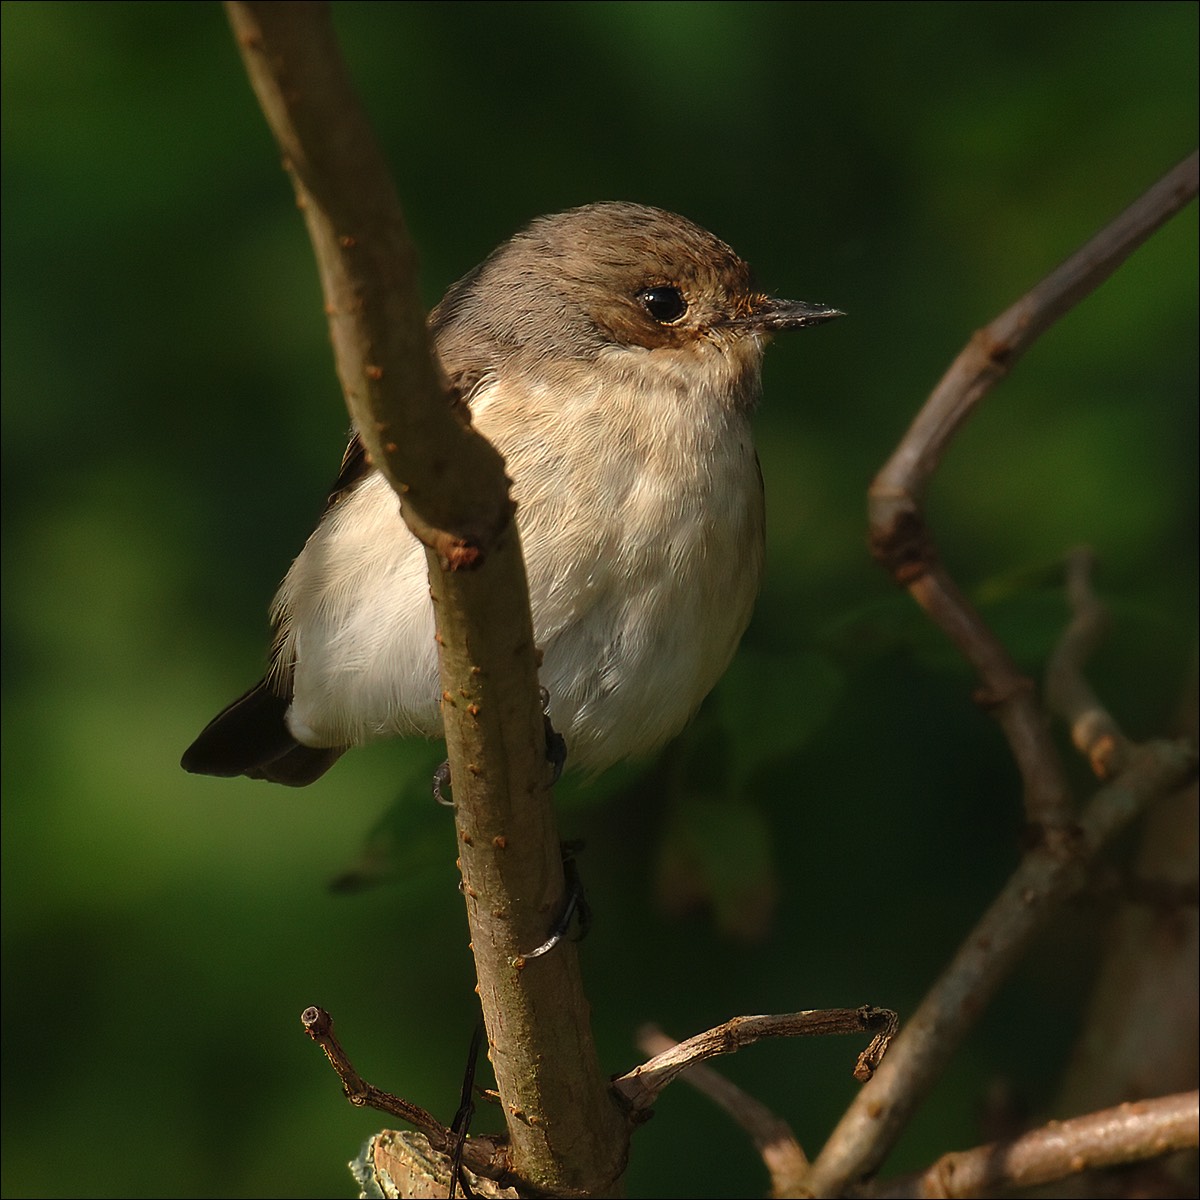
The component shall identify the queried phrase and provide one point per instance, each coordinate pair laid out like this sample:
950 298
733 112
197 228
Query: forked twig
487 1156
1055 866
899 536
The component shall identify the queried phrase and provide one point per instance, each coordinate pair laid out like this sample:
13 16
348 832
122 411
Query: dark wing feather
250 737
355 467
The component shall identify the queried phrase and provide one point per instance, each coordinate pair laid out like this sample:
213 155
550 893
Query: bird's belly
636 624
631 670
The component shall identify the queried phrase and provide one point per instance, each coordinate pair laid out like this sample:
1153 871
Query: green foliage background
840 813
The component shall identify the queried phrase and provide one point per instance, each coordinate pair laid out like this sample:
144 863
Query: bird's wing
464 384
250 736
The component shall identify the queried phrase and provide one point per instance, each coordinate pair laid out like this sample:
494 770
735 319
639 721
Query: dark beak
770 315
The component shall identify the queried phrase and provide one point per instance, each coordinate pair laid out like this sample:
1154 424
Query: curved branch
1055 867
994 350
567 1133
450 478
640 1087
899 536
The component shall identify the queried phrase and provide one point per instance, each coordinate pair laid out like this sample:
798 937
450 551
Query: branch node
994 692
904 548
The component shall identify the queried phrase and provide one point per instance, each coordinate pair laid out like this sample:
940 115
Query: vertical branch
566 1133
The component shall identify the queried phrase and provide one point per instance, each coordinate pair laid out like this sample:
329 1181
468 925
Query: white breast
643 546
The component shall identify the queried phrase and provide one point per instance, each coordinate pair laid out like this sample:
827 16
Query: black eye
664 303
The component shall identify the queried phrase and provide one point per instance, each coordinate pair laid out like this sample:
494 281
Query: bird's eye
664 303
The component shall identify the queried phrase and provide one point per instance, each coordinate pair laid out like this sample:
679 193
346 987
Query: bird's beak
769 315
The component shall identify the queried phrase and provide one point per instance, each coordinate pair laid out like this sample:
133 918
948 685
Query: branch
485 1156
1131 1132
450 478
899 536
1043 879
1056 866
1068 694
566 1132
640 1087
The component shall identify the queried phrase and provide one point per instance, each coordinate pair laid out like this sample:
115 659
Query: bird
612 354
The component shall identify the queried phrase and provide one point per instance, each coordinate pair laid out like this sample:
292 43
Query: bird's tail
250 737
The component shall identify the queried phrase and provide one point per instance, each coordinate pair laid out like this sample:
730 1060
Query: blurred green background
839 815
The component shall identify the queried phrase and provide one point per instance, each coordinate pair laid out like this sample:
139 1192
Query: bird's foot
576 907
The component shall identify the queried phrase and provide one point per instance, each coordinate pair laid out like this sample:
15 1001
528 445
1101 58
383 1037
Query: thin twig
486 1156
460 1127
1131 1132
899 536
1068 694
641 1087
782 1154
